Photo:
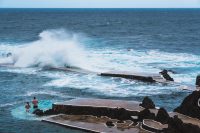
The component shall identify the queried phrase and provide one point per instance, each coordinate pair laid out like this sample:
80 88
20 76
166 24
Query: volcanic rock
110 124
50 112
176 125
198 80
145 114
38 112
190 105
147 103
162 116
123 114
165 75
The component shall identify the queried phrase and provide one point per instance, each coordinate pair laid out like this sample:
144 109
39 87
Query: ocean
97 40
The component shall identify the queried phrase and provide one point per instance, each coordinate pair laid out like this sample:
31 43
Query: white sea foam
45 92
108 86
54 48
9 104
21 70
59 48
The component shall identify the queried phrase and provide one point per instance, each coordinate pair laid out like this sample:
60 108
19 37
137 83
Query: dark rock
190 105
120 121
122 114
176 125
198 80
147 103
189 128
114 113
110 124
162 116
165 75
148 79
50 112
38 112
146 114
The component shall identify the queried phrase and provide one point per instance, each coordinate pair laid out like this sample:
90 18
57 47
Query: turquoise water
96 40
20 112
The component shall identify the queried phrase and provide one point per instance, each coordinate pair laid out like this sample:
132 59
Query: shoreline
144 116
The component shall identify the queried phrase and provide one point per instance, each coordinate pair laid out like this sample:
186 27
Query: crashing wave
55 48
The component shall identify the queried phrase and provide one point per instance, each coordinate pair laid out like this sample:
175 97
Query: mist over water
55 48
108 40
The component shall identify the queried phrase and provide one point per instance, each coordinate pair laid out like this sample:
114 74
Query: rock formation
147 103
190 105
146 114
162 116
38 112
198 80
165 75
176 125
110 124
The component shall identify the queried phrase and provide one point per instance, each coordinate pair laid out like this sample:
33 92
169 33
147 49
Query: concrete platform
105 103
71 69
81 114
94 124
92 115
115 109
146 77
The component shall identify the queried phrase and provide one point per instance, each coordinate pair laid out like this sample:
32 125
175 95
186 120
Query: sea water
97 40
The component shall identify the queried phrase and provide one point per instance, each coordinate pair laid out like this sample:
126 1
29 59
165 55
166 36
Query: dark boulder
120 121
176 125
38 112
189 128
198 80
162 116
147 103
190 105
122 114
165 75
110 124
145 114
50 112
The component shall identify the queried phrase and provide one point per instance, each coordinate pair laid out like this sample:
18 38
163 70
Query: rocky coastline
190 108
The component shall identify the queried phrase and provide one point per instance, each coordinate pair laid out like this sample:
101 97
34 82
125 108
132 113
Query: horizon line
99 8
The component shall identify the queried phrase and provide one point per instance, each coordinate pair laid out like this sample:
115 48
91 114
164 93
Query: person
35 103
27 106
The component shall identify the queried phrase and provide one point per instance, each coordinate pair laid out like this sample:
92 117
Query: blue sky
100 3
